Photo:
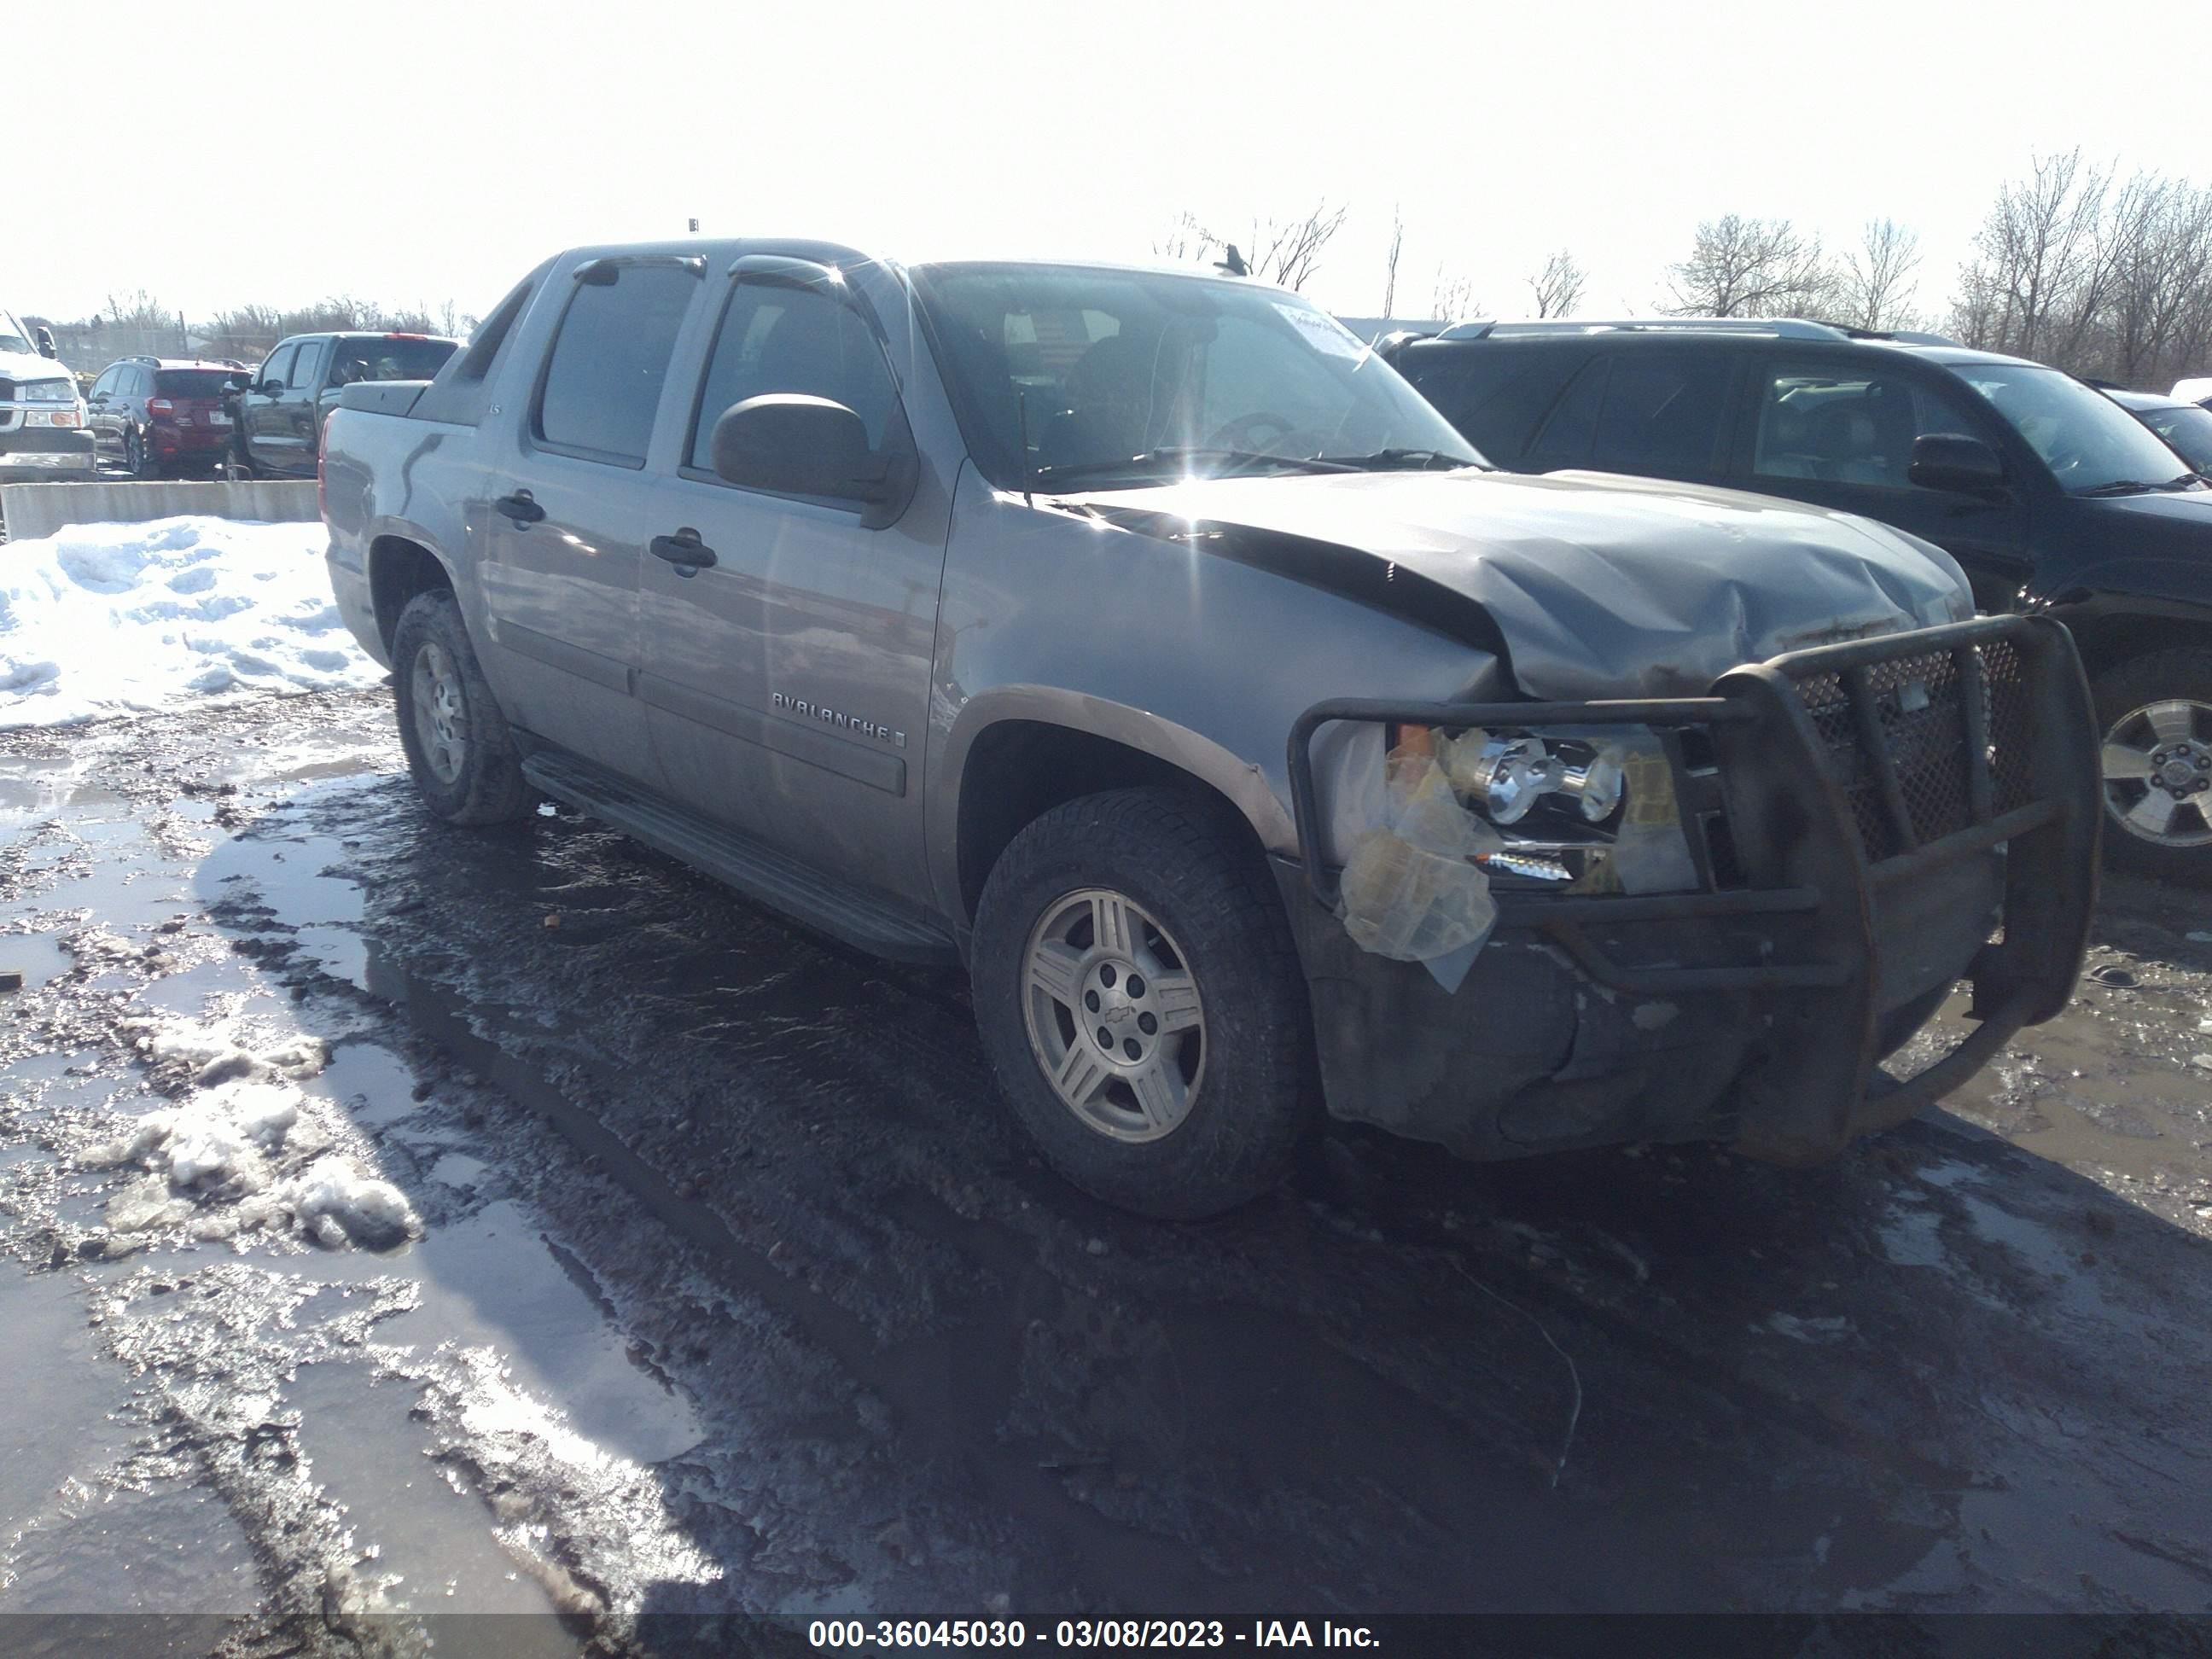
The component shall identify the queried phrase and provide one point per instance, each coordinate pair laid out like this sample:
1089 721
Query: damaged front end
1573 924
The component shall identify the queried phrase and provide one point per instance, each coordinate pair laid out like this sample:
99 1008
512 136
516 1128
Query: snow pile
230 1159
107 619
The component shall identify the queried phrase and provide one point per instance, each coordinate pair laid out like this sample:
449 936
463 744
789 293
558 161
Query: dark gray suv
2052 498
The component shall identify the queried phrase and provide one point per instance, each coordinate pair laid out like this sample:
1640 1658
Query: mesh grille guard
1863 783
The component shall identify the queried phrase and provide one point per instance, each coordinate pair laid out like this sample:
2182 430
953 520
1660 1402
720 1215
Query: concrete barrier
40 509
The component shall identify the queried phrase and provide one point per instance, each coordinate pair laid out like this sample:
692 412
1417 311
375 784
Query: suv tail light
322 486
159 406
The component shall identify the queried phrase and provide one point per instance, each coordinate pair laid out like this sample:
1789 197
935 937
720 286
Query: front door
786 684
1837 431
106 427
289 426
257 406
558 554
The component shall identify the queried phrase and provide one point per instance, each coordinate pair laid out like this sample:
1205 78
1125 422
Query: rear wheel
1138 990
138 460
2155 712
459 748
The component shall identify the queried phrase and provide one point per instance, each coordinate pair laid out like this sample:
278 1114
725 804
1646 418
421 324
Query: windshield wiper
1393 460
2122 487
1230 462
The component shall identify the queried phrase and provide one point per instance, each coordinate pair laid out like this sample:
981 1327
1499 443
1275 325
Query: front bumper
1856 854
31 453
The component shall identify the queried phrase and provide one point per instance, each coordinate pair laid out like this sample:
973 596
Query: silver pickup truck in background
1140 642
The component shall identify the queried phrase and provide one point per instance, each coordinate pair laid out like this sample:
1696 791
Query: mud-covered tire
1202 894
2161 678
439 685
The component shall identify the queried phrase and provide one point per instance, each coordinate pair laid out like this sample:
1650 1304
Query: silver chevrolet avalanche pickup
1139 641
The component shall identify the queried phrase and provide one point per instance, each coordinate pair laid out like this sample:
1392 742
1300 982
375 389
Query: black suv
2048 495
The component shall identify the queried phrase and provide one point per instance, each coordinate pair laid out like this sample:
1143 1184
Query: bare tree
1391 262
138 311
1184 240
1287 252
1878 279
1453 297
1558 286
1740 267
2042 262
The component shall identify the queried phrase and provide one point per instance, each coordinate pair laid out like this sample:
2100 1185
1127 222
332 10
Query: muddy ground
717 1283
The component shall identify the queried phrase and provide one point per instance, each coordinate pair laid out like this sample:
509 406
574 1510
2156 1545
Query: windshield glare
2088 441
1107 368
13 338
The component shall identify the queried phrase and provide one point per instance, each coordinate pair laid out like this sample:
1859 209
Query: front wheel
1138 992
459 748
2155 712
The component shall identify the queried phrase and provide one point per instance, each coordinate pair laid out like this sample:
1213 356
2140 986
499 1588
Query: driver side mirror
45 336
1952 461
792 444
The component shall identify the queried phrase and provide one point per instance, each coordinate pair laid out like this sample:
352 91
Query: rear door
568 506
1497 394
1836 430
787 684
1653 409
256 407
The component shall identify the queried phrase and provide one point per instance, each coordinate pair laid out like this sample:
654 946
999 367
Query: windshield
14 337
2090 443
381 357
2188 429
1125 377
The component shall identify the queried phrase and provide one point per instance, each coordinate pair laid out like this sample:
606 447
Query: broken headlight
1594 810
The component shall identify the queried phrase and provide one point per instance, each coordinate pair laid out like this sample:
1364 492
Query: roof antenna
1028 466
1234 265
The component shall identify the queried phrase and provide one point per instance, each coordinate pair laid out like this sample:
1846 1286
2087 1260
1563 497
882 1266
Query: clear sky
405 152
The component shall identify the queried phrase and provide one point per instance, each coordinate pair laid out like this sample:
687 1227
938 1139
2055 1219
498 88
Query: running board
806 895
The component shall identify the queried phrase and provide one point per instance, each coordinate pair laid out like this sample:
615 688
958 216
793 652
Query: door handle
520 507
685 550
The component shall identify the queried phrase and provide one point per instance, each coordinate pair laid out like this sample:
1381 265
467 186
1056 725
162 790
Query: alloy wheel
440 712
2158 773
1114 1015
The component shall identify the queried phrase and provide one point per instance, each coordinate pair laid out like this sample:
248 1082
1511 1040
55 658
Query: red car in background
162 417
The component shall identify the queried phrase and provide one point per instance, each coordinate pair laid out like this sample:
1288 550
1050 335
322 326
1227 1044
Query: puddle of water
369 1457
173 1550
372 1084
340 952
458 1170
493 1280
37 956
61 1394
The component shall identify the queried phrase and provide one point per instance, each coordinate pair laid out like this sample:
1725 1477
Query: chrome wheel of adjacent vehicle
2158 773
440 712
1114 1015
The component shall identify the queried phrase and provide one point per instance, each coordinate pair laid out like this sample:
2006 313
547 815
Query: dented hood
1600 585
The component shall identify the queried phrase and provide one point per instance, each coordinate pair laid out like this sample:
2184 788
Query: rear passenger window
1663 413
610 360
786 339
1569 434
1497 396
